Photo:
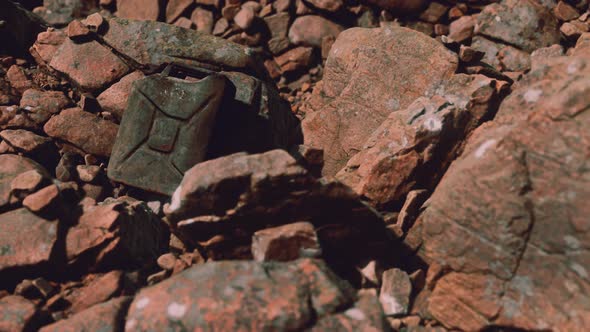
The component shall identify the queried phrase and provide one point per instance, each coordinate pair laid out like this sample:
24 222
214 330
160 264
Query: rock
184 23
309 30
167 261
573 30
404 6
15 117
18 79
244 18
203 20
77 31
434 12
108 317
12 166
88 173
73 125
43 200
527 24
395 292
489 48
139 9
327 5
26 243
114 99
44 101
219 295
511 240
99 290
285 243
565 12
513 59
24 141
26 183
46 45
278 24
295 59
94 22
61 12
175 8
89 65
18 314
369 74
461 29
116 233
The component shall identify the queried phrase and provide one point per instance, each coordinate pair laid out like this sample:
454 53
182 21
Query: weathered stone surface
395 292
108 317
234 295
415 145
327 5
310 29
139 9
16 76
203 20
98 290
44 101
24 141
295 60
10 167
60 12
26 183
26 240
286 243
18 314
43 199
114 99
74 125
175 8
116 233
525 24
369 74
508 221
89 65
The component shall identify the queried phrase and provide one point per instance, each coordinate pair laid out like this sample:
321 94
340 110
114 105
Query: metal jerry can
165 129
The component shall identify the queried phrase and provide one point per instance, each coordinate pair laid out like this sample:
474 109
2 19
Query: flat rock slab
241 295
369 74
17 314
10 167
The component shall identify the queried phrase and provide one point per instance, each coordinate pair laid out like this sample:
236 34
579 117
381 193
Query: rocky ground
372 165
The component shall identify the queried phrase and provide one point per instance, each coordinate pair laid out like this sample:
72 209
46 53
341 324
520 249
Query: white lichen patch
142 303
484 147
391 305
532 95
176 310
355 313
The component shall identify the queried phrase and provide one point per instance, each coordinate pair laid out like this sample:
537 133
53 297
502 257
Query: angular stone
45 101
525 24
26 241
16 76
116 233
203 20
43 199
296 59
46 45
99 290
229 295
278 24
76 30
461 29
10 167
114 99
175 8
138 9
513 238
327 5
108 317
26 183
73 125
18 314
89 65
369 74
565 12
24 141
395 292
244 18
309 30
285 243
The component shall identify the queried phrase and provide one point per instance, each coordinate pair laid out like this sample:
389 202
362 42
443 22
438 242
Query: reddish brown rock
44 101
10 167
15 117
47 44
76 30
244 18
89 65
462 29
285 243
175 8
99 290
296 59
508 221
43 199
108 317
26 183
73 125
26 241
138 9
396 289
565 12
526 24
327 5
114 99
18 79
24 141
203 20
369 74
18 314
309 30
241 294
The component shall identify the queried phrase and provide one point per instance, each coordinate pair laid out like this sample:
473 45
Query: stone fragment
24 141
76 30
73 125
114 99
461 29
12 166
229 11
26 183
434 12
282 5
244 18
526 24
88 173
18 79
89 65
44 101
573 30
565 12
512 249
327 5
513 59
116 233
138 9
167 261
175 8
295 59
395 292
108 317
18 314
184 23
278 24
285 243
43 200
94 22
309 30
204 21
369 74
26 242
219 295
59 13
46 45
99 290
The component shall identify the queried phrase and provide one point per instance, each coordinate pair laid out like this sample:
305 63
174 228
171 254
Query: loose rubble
373 165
